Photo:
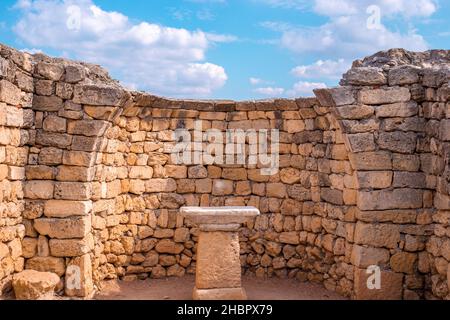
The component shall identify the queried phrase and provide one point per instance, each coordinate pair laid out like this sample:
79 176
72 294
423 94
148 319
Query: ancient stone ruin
89 191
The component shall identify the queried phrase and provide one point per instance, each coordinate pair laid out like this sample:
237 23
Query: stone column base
220 294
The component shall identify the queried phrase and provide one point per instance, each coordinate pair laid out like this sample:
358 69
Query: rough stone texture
34 285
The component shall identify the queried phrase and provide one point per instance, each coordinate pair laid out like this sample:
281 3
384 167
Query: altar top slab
219 215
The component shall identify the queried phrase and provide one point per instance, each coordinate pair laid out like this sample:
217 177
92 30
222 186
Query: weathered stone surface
378 160
401 142
47 264
384 96
51 71
355 112
365 76
403 75
374 179
70 247
9 93
377 235
99 95
363 257
168 246
67 228
218 270
34 285
72 191
403 262
89 128
65 208
390 199
402 109
47 103
39 189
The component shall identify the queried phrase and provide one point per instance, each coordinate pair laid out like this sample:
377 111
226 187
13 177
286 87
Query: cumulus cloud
325 69
270 91
148 56
299 89
406 8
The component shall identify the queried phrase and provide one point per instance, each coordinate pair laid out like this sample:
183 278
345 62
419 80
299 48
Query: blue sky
224 48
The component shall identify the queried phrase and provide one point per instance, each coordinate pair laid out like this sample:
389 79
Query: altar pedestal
218 266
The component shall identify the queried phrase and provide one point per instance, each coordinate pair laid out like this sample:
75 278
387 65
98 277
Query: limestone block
51 139
378 160
74 74
361 142
384 96
50 156
364 257
374 179
51 71
91 128
403 262
390 199
100 95
72 191
402 110
276 190
401 142
64 228
54 123
197 172
160 185
355 112
218 270
365 76
9 93
34 285
39 189
221 294
70 247
377 235
78 158
74 173
402 75
169 246
47 264
290 175
47 103
222 187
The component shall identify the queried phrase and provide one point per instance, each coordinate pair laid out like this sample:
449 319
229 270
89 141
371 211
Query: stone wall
363 178
16 87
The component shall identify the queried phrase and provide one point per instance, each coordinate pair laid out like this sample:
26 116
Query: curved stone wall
362 180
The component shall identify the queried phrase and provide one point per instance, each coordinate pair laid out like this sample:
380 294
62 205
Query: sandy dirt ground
181 289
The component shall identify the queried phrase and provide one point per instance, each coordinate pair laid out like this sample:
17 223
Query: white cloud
406 8
224 38
163 60
255 81
299 89
348 37
325 69
270 91
288 4
305 89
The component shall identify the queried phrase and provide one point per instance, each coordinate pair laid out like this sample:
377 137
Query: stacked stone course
89 186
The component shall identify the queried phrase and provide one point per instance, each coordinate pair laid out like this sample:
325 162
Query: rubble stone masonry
88 186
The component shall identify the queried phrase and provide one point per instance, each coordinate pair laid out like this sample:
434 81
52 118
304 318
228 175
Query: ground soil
181 289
